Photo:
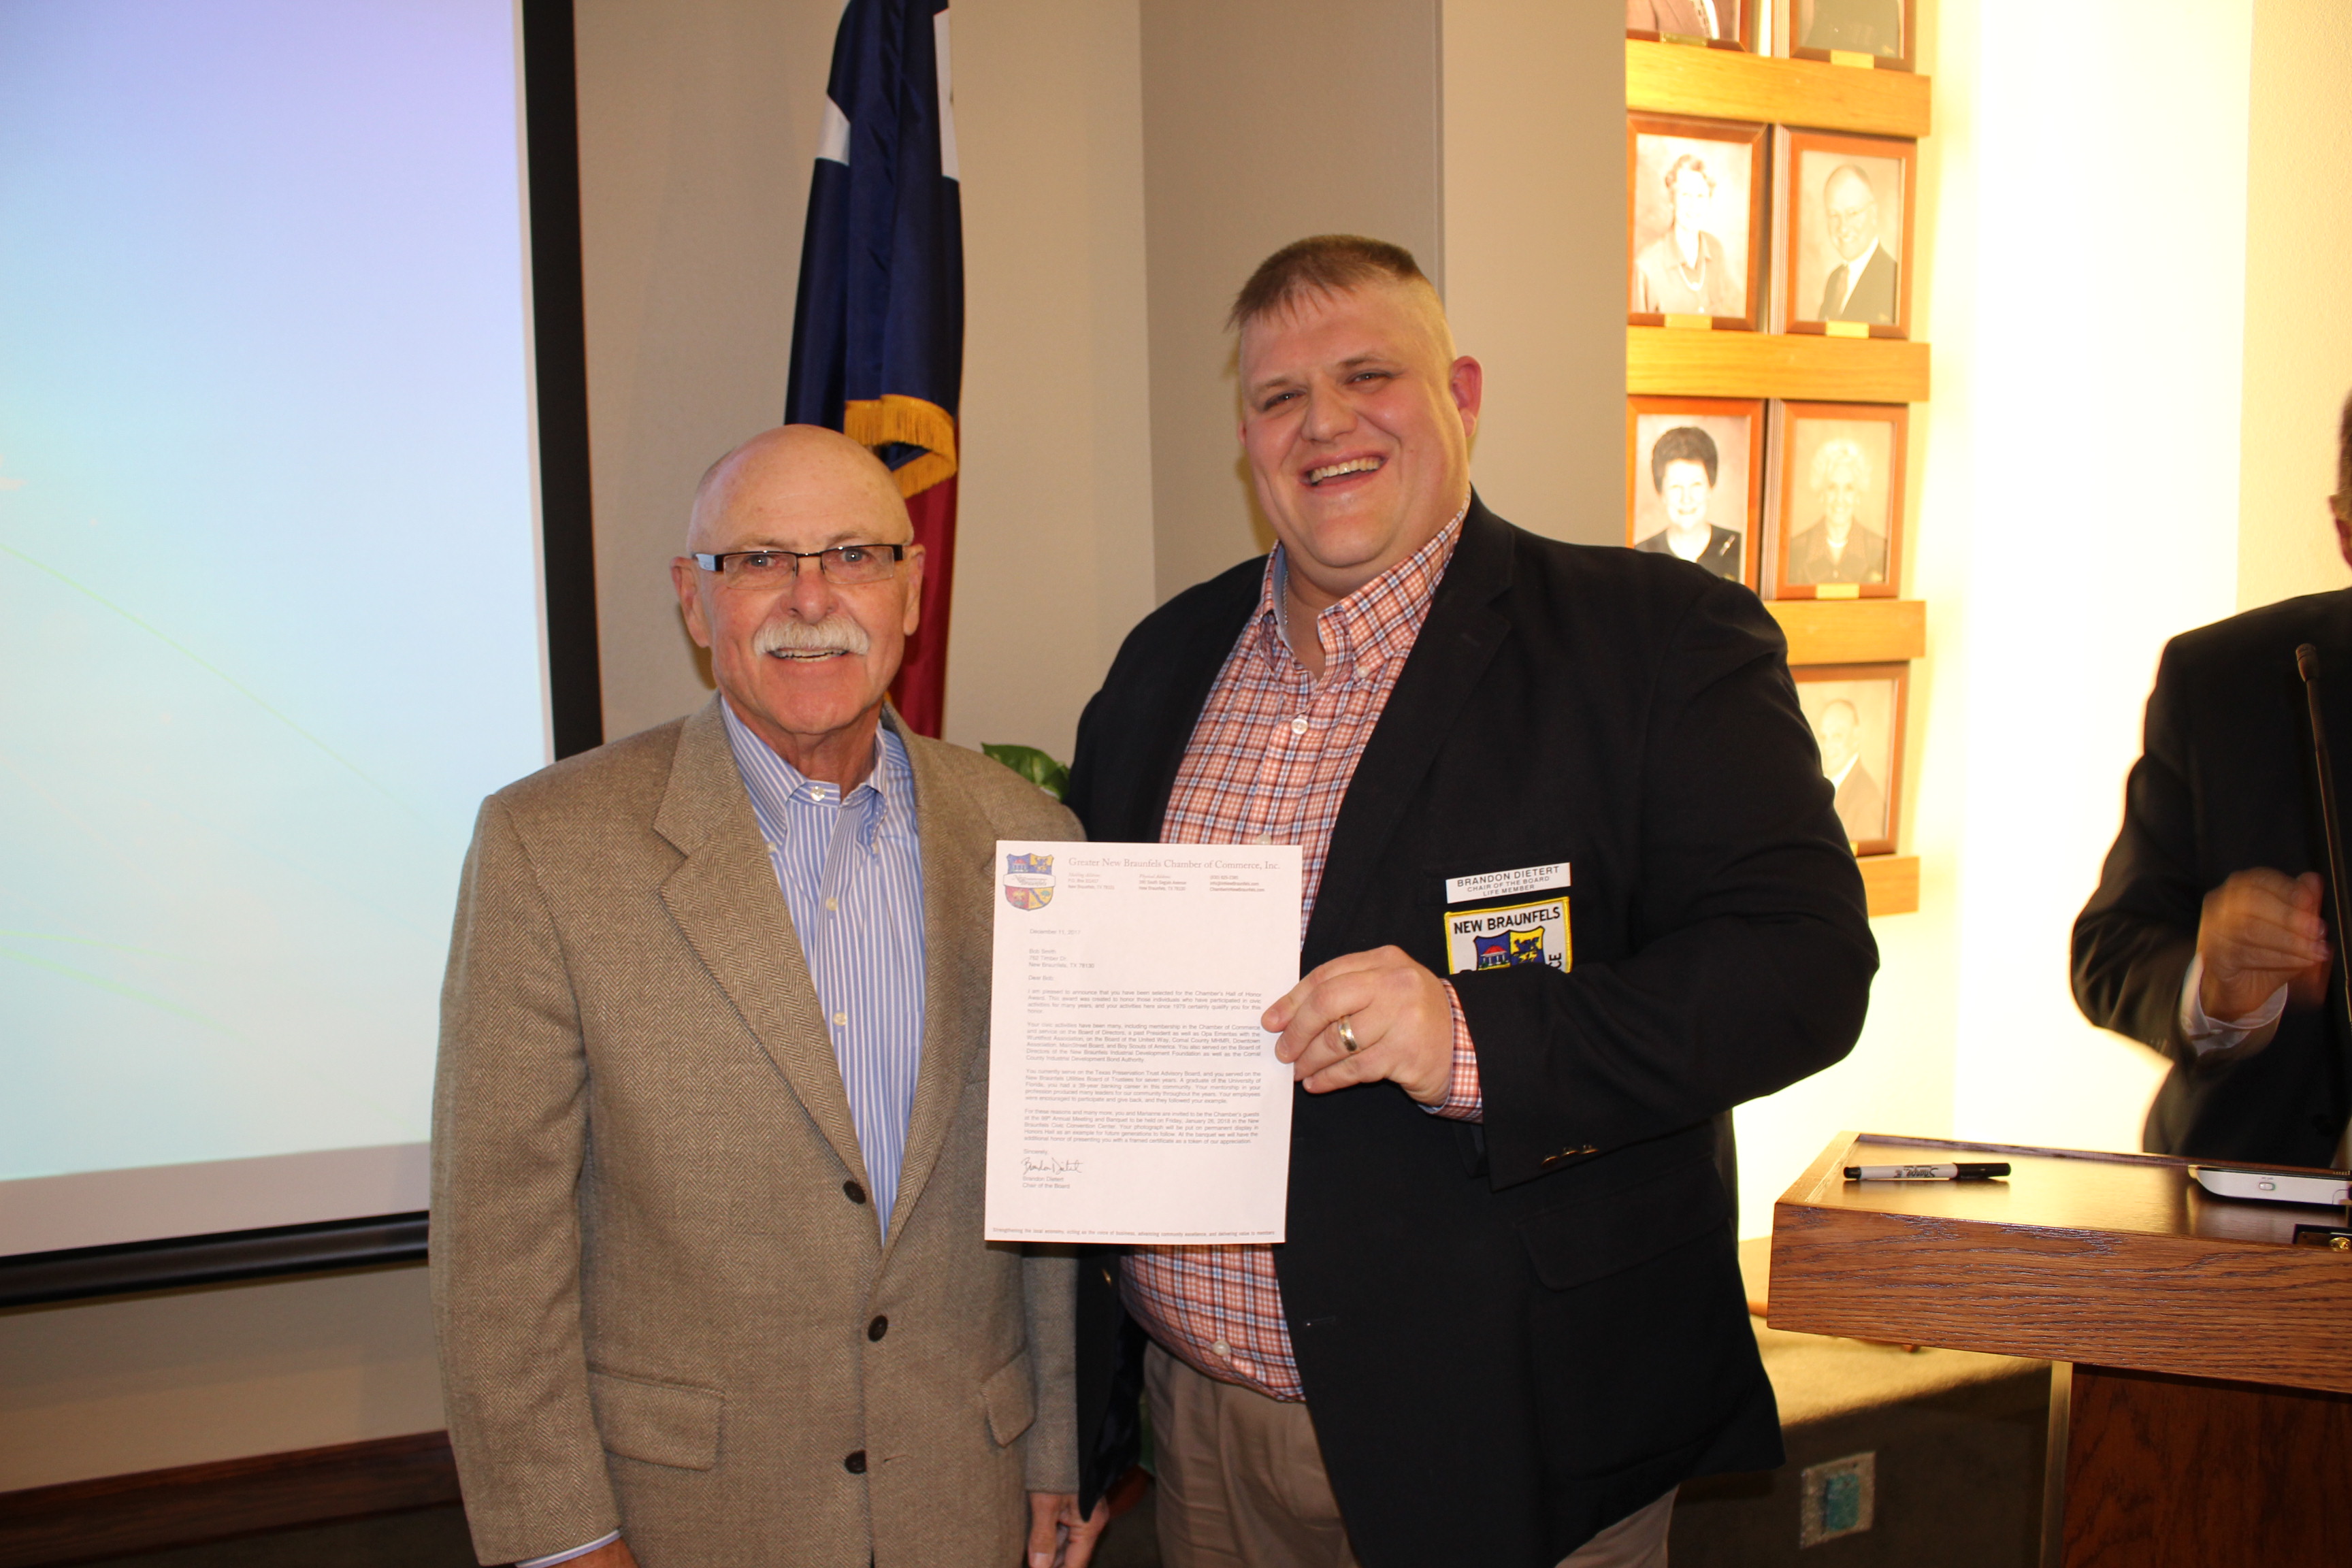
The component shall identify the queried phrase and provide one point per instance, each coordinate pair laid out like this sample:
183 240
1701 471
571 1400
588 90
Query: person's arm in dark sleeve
2134 940
1754 956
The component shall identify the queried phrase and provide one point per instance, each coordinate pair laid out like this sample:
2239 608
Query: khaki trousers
1242 1484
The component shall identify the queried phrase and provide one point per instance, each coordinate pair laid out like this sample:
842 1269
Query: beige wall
1534 255
181 1377
698 123
2298 311
1263 123
1054 535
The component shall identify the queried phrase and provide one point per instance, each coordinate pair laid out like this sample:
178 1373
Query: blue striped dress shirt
852 875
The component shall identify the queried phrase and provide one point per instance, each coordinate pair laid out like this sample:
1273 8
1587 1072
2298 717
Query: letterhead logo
1028 880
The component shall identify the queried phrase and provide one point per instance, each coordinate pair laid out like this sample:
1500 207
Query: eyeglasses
843 564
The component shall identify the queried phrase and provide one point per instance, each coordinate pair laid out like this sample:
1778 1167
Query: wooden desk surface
2115 1259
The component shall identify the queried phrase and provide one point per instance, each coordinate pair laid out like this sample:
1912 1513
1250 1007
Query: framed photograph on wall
1841 231
1881 30
1836 499
1695 480
1718 23
1696 226
1857 712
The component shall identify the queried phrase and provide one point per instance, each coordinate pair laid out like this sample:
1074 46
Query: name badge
1501 939
1504 884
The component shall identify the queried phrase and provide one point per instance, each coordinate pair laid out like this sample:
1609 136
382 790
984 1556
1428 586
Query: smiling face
1839 733
1840 495
1356 419
1684 490
1693 198
1852 212
805 663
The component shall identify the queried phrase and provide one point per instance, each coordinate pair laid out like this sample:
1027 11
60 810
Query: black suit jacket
1872 299
2224 784
1721 555
1512 1334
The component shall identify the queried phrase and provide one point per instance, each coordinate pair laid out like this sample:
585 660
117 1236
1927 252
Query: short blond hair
1835 451
1322 264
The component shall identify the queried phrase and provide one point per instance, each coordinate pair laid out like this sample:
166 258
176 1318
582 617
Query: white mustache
835 634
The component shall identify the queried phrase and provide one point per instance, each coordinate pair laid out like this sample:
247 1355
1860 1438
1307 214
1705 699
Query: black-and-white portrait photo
1717 21
1856 714
1840 495
1847 233
1695 224
1693 488
1852 26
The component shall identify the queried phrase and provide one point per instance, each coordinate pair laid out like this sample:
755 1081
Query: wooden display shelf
1851 631
1726 84
1678 361
2116 1259
1891 883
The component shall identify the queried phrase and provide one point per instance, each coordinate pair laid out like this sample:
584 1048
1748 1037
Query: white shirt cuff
554 1557
2205 1035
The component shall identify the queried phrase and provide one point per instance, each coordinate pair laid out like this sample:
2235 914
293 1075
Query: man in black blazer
1861 287
2206 939
1508 1316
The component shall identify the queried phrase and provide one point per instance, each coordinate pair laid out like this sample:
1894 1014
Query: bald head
799 473
806 631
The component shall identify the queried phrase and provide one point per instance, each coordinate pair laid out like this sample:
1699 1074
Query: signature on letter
1044 1164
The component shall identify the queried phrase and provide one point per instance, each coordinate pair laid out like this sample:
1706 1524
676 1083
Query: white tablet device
2333 1188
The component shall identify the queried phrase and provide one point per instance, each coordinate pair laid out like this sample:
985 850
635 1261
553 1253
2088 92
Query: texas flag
877 333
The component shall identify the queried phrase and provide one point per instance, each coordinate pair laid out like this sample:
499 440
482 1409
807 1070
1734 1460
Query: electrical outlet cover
1839 1499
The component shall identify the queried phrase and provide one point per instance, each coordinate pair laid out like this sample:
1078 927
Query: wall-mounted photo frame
1879 30
1835 494
1842 233
1718 23
1694 229
1857 713
1695 480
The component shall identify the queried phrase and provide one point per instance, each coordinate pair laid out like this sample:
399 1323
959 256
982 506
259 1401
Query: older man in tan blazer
710 1125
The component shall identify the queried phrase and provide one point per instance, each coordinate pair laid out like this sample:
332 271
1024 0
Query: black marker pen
1960 1172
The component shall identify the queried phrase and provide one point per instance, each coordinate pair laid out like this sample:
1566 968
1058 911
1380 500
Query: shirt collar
1857 267
1377 622
774 783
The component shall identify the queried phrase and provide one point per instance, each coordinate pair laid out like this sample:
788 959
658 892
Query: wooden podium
2201 1410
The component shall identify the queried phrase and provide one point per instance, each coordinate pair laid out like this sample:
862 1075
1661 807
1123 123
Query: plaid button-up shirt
1269 763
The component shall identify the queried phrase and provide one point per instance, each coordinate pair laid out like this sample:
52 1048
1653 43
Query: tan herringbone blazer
659 1290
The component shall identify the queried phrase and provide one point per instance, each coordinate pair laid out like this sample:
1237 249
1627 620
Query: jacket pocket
1011 1395
660 1423
1607 1233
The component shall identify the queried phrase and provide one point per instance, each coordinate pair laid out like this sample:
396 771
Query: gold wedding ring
1347 1033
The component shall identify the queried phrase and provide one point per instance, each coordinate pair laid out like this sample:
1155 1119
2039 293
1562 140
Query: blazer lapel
725 900
959 947
1456 644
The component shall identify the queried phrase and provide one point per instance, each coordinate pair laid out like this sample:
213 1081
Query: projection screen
270 590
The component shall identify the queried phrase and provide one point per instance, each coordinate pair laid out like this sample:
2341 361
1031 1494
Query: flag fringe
911 421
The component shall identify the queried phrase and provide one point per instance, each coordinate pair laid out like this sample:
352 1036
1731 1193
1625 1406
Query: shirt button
856 1463
840 1020
1298 725
853 1191
832 903
877 1328
771 846
1221 1348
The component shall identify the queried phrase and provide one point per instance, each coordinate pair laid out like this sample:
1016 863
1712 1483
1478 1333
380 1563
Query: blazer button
856 1463
877 1328
853 1191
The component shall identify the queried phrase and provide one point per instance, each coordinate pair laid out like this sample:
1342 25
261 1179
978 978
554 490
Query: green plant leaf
1034 765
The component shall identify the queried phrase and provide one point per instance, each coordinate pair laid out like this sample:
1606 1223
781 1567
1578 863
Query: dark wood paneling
2112 1259
2181 1473
42 1527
